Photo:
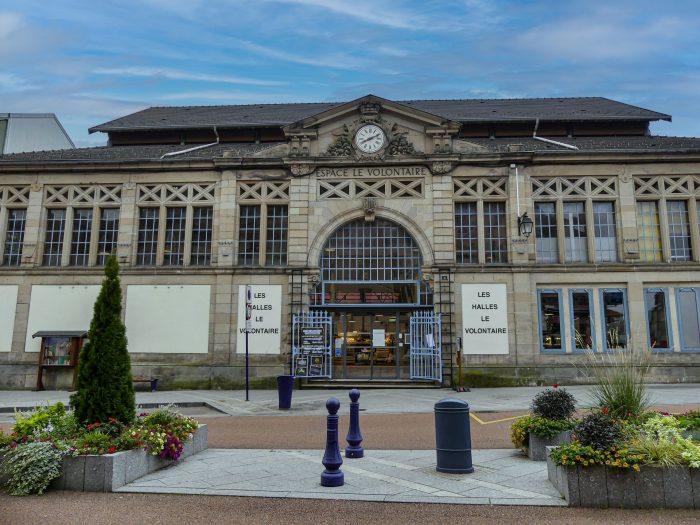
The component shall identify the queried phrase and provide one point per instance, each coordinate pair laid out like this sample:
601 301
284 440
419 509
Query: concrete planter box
110 471
537 446
650 488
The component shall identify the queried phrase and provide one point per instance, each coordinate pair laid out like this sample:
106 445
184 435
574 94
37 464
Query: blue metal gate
312 334
426 346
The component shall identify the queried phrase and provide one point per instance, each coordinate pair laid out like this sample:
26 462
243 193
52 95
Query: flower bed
50 445
605 486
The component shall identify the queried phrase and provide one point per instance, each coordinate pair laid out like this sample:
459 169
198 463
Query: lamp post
525 225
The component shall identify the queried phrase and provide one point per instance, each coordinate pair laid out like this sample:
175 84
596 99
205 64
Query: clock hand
370 138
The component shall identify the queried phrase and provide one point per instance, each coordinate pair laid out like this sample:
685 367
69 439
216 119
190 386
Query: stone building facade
401 229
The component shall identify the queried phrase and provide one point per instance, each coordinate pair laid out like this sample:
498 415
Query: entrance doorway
371 344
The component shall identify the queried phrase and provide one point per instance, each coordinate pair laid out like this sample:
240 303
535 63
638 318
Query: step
369 383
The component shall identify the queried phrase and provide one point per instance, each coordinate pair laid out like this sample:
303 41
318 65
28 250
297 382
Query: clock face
369 138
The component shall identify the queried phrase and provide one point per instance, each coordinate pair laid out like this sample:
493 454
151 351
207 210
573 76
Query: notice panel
485 318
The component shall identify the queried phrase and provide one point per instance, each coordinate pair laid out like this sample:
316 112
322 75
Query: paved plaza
501 477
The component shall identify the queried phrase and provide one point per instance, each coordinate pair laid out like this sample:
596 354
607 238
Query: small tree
104 387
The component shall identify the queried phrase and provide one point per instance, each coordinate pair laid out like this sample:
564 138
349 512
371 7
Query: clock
370 138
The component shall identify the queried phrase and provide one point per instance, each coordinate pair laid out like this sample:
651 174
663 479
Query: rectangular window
495 238
249 236
614 304
14 236
581 319
80 238
175 227
605 232
466 233
147 249
678 230
689 316
649 231
575 233
551 336
53 242
109 230
276 242
546 232
657 318
202 220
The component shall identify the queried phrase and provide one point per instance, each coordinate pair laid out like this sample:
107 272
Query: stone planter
108 472
650 488
537 446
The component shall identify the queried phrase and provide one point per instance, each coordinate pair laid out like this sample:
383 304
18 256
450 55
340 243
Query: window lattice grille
649 231
678 230
147 249
466 233
14 195
109 229
356 189
370 251
175 226
263 191
276 243
657 186
568 187
82 195
495 241
176 193
202 221
81 236
53 242
481 187
249 236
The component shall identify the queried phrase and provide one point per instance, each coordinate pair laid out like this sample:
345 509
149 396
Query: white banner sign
265 322
485 318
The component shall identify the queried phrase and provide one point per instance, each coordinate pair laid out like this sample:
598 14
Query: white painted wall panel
53 307
172 319
8 308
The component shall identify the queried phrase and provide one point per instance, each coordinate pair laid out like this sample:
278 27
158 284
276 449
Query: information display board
485 318
312 349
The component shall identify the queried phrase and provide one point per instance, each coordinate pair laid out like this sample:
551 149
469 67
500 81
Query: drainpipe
534 136
173 153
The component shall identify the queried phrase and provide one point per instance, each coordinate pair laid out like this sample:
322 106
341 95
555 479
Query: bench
152 380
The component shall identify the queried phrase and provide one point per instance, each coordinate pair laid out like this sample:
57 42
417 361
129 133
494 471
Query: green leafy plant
5 440
542 427
93 442
104 386
619 379
598 430
659 451
554 403
576 453
690 420
39 419
31 467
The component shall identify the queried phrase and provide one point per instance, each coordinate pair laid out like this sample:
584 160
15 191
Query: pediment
405 131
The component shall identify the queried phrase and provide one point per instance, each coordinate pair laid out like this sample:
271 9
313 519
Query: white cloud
13 82
337 61
229 96
175 74
9 23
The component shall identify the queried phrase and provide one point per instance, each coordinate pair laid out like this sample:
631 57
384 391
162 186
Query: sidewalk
374 401
501 477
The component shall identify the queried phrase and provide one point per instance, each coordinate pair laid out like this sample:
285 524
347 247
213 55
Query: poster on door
485 318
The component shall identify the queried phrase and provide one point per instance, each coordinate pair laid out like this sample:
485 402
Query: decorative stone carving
342 146
36 187
625 175
369 204
441 167
129 185
314 278
302 169
370 109
399 144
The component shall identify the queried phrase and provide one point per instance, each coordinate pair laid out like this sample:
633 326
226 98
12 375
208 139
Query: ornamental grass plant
620 381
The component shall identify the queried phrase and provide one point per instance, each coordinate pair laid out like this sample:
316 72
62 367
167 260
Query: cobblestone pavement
501 477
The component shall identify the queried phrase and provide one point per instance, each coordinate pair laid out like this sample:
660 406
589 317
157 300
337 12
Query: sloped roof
20 132
464 110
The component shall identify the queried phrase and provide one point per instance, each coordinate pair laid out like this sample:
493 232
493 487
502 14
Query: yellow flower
625 465
636 467
563 457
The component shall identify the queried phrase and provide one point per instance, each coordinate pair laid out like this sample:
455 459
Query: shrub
575 453
554 404
31 467
5 440
544 428
104 386
656 450
39 419
620 381
598 430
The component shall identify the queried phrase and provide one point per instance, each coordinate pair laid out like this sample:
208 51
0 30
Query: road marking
481 422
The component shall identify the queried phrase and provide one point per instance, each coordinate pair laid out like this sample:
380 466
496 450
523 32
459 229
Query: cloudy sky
92 61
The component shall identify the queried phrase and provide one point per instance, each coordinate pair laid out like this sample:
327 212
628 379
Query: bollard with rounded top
332 476
453 441
354 437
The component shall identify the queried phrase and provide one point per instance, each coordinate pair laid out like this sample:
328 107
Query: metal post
354 437
248 326
332 476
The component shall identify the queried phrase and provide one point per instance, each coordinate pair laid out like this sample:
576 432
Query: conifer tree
104 387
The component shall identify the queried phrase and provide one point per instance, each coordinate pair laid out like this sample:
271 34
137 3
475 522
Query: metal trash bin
453 441
285 385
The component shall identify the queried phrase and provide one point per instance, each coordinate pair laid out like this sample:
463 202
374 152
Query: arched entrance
371 282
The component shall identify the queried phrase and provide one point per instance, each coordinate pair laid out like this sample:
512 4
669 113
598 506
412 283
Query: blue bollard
332 476
354 438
